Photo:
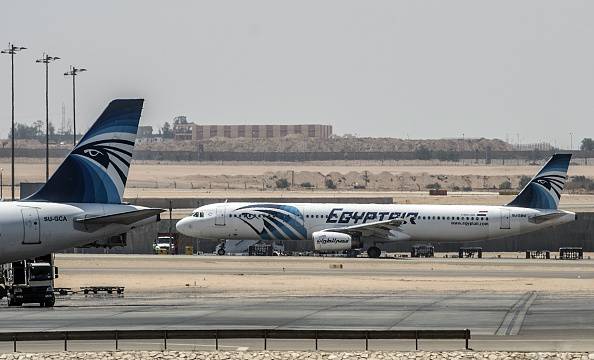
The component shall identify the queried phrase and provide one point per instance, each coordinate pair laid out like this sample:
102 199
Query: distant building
191 131
145 131
182 130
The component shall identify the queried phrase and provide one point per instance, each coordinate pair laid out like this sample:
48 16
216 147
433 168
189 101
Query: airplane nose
184 226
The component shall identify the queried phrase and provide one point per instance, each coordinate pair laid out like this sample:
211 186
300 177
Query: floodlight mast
73 72
11 50
46 59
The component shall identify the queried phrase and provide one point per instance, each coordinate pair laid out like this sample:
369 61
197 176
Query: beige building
192 131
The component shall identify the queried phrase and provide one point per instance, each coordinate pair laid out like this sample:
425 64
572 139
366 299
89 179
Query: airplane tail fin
96 169
544 190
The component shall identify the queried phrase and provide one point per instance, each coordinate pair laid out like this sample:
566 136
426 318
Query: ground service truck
30 281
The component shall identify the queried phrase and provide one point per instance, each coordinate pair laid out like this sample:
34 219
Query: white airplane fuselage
28 229
432 223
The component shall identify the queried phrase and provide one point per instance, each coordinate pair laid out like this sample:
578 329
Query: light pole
12 49
570 140
73 72
46 59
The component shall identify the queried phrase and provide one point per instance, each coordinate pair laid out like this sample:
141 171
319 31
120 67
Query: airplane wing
377 228
125 218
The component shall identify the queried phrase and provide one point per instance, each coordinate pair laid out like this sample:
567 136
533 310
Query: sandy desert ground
32 170
251 276
402 182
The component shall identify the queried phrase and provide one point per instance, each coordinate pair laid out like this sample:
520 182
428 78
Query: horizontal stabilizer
126 218
539 219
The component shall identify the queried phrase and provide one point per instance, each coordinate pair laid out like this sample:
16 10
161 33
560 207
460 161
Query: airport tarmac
515 321
508 303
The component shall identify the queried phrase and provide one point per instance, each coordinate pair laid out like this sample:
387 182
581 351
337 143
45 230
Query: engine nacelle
331 241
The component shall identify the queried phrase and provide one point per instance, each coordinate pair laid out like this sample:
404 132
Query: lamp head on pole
12 49
74 71
47 59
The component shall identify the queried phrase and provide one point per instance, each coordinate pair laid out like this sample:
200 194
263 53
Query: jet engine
334 241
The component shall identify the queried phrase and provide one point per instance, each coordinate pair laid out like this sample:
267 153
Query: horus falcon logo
274 221
105 151
553 183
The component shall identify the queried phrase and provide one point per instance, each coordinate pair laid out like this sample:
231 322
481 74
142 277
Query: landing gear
221 252
374 252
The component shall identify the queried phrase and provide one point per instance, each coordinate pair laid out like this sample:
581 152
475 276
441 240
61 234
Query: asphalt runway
519 321
527 318
528 313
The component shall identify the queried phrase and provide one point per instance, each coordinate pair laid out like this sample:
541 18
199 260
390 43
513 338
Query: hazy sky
422 69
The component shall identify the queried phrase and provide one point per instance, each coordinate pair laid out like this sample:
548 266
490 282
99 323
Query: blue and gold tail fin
544 190
96 170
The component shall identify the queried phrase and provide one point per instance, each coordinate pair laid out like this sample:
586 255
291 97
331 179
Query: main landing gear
374 252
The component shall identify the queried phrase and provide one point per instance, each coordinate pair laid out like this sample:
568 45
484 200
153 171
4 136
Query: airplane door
220 216
505 219
31 233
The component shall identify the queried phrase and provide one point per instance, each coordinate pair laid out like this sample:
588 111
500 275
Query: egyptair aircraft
81 203
336 227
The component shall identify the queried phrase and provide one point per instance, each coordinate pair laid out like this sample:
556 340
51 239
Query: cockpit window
198 214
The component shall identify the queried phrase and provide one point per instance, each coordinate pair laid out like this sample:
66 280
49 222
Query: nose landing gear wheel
374 252
221 252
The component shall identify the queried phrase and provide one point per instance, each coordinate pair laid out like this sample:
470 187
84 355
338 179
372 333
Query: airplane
81 203
343 227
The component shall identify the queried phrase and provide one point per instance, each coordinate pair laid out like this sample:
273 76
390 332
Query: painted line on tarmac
513 320
519 320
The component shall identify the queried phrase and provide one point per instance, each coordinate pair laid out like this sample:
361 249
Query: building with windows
191 131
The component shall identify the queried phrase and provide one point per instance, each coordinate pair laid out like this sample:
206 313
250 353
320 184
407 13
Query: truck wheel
374 252
221 252
49 303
